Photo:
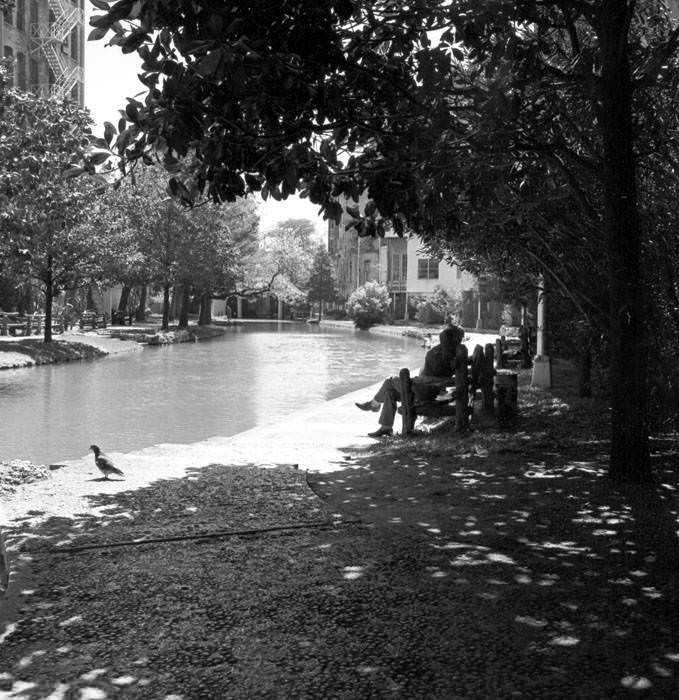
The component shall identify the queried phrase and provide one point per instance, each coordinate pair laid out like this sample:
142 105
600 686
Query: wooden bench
38 323
11 322
471 374
93 320
519 352
118 318
29 325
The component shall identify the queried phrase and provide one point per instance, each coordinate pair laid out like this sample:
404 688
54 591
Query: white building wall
451 278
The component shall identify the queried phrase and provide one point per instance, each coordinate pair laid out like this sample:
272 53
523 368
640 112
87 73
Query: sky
111 77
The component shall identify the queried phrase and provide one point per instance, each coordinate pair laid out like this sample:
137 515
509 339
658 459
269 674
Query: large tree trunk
205 316
124 298
141 309
175 303
585 373
185 297
165 325
629 459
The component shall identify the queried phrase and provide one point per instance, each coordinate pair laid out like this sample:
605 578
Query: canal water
188 392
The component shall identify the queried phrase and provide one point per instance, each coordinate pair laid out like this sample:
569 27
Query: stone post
542 365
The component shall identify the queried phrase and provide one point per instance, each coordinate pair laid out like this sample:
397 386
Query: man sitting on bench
439 363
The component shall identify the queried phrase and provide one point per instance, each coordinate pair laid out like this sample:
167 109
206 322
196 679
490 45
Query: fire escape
50 39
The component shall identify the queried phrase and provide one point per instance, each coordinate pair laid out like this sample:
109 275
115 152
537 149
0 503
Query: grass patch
41 353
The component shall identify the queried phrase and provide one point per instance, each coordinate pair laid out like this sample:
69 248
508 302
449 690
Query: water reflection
186 393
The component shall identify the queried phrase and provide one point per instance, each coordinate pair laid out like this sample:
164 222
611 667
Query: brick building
46 41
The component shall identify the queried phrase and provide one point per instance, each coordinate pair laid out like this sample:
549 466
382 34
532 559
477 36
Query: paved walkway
458 575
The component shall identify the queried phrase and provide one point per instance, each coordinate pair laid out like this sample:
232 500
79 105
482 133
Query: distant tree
217 244
121 261
289 247
41 213
322 283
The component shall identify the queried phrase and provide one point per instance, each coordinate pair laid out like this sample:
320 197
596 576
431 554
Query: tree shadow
524 536
500 563
141 591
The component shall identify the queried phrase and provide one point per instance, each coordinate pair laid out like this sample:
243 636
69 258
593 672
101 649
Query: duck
105 463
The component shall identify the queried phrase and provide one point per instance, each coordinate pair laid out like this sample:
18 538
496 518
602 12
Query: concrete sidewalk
459 573
86 603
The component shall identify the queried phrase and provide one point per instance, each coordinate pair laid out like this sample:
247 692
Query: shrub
368 305
437 308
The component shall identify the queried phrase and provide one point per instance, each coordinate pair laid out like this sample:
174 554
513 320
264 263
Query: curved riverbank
27 352
89 345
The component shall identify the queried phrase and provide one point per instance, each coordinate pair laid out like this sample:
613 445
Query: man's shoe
381 432
369 406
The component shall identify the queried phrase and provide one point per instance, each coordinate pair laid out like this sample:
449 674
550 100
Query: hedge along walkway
499 564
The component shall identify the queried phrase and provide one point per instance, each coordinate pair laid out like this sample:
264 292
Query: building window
427 269
399 267
34 14
367 269
33 79
74 43
21 15
21 71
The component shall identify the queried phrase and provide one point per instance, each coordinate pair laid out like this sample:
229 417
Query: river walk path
305 560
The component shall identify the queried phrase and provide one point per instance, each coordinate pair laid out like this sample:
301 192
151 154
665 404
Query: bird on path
104 463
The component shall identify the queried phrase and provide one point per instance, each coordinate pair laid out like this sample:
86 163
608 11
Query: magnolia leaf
209 63
99 157
132 112
97 33
73 171
109 132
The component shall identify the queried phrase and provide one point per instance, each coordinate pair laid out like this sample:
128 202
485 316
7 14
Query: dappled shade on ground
496 564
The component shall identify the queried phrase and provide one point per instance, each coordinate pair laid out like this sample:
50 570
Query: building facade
356 259
408 272
46 41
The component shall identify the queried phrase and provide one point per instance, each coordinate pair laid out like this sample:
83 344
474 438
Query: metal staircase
49 38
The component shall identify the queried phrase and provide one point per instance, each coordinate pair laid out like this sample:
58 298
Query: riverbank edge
20 352
120 339
408 331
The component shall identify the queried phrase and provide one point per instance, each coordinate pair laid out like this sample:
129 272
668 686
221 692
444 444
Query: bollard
506 392
487 381
499 355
